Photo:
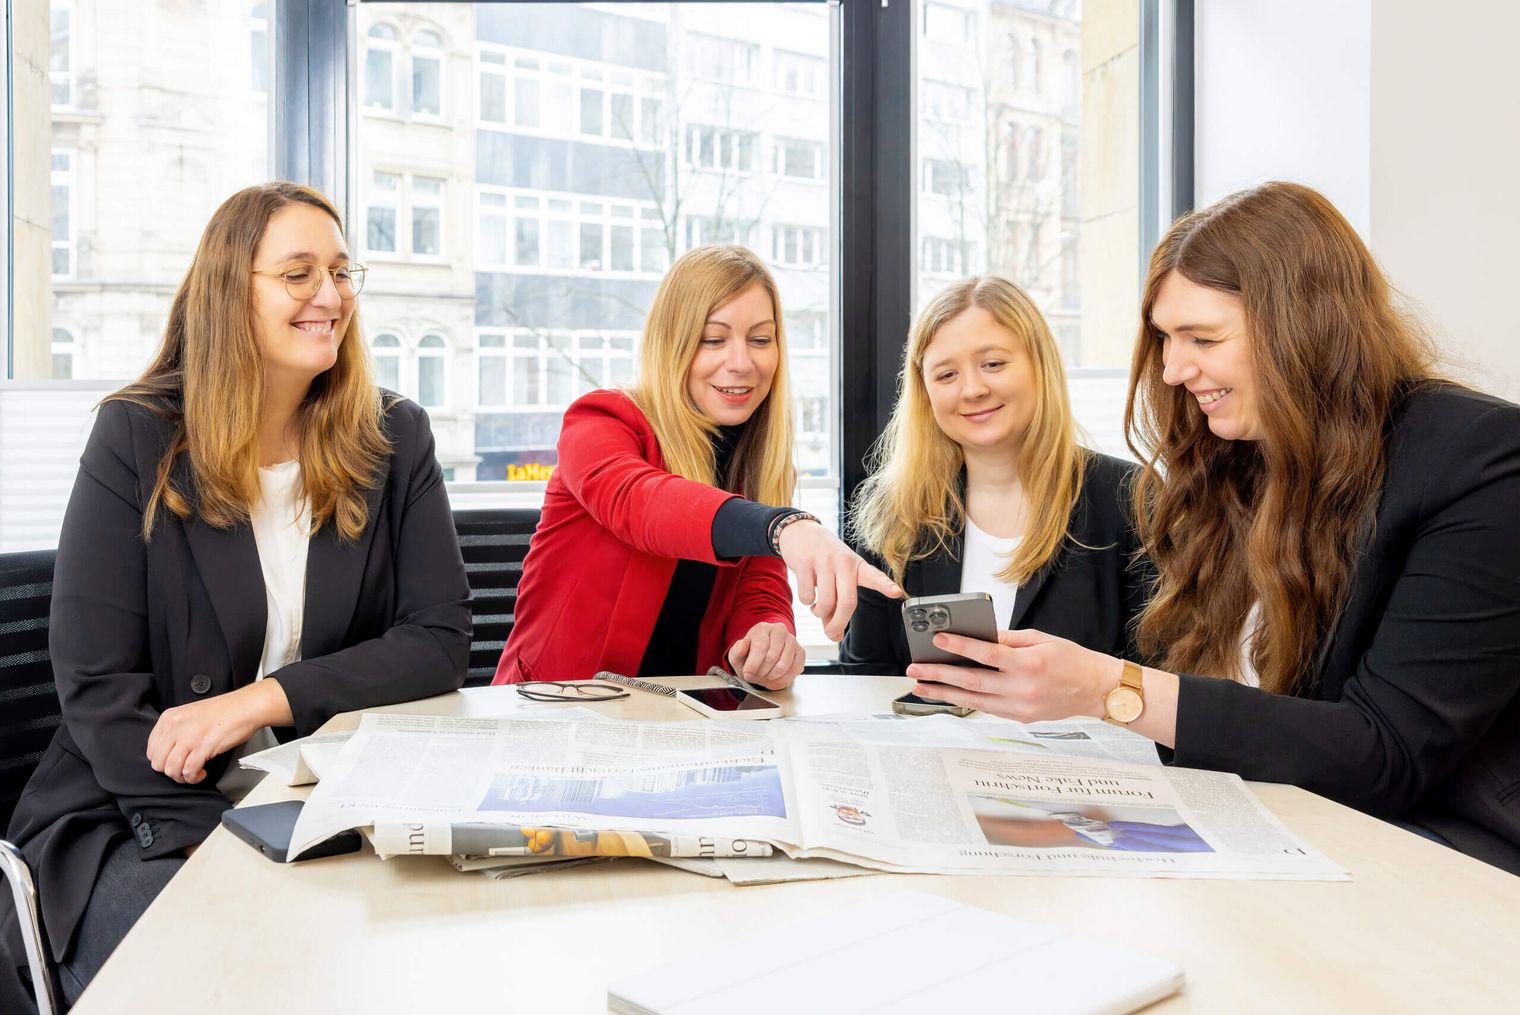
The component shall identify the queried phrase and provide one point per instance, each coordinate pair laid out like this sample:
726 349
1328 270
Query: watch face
1124 704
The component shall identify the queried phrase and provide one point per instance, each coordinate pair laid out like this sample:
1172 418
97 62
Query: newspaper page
945 797
696 778
908 806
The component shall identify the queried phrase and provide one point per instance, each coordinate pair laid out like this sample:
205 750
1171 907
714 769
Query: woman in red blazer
664 540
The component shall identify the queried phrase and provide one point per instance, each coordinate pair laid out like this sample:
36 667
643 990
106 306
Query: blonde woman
258 537
979 485
657 551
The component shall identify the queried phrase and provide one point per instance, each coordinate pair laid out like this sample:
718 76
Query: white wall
1402 112
1446 174
1283 92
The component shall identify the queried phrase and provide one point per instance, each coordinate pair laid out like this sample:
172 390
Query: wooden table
1420 928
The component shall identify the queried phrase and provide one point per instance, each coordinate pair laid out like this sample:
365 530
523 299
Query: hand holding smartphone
965 613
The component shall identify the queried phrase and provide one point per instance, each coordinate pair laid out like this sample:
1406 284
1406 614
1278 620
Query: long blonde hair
913 504
699 282
207 379
1278 520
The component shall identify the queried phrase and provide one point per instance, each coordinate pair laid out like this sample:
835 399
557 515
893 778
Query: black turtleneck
740 528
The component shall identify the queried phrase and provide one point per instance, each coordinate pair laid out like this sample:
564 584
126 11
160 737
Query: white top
982 556
1245 672
282 532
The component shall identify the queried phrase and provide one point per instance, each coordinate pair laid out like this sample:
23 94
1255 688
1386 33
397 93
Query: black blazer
1089 592
137 628
1414 707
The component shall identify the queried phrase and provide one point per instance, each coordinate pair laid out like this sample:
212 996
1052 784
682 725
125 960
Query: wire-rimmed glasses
568 690
303 281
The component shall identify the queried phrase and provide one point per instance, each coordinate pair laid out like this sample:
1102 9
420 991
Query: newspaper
442 838
934 795
300 762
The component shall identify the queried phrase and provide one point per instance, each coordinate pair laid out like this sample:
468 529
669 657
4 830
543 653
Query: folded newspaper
932 795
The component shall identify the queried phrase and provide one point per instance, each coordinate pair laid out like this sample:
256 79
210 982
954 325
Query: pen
643 685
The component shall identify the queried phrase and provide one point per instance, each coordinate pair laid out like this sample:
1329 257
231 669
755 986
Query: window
525 370
491 371
801 160
64 219
799 74
427 216
944 23
797 246
1071 84
940 257
812 419
575 97
1036 168
946 178
947 102
431 367
1004 194
60 54
807 331
63 354
258 49
427 73
492 73
380 220
559 231
701 232
386 350
720 148
381 54
727 60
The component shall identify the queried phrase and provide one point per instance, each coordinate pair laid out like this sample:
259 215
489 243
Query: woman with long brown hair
1334 532
979 484
258 538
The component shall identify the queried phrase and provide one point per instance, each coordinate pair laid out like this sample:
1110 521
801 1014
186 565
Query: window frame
312 126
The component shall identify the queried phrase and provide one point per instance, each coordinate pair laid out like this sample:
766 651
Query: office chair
29 715
493 543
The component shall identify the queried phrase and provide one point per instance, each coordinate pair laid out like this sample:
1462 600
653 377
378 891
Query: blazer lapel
939 575
1030 591
228 563
334 576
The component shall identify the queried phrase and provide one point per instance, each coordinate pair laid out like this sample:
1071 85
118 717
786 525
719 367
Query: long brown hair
913 503
699 282
207 379
1279 520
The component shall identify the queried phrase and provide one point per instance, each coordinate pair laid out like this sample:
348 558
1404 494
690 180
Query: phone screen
728 699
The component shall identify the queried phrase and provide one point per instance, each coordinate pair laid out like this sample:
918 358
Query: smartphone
728 703
912 704
964 613
267 828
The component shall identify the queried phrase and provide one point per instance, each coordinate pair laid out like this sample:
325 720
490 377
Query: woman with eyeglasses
665 537
1333 527
258 538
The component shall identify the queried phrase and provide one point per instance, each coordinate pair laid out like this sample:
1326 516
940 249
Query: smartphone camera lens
939 617
919 626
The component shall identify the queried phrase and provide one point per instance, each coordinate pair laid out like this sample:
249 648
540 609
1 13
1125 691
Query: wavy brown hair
1279 520
913 504
207 379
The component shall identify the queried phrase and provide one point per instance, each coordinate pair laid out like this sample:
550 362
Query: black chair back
493 543
29 710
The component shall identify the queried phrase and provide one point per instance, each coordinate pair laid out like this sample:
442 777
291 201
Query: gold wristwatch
1125 703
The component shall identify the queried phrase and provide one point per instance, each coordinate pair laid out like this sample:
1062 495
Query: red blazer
613 526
